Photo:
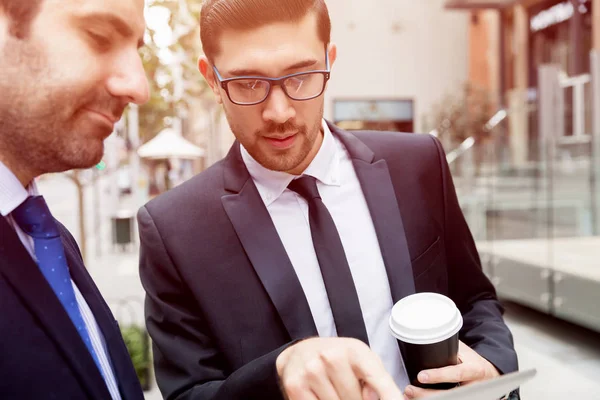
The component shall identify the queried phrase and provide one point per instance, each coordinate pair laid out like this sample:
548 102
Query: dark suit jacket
223 299
42 355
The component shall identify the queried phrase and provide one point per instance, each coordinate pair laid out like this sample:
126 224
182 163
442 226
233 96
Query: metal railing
469 142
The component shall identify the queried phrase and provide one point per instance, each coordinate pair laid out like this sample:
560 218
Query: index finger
368 367
452 374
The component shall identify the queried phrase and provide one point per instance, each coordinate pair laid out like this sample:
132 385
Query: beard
278 160
42 126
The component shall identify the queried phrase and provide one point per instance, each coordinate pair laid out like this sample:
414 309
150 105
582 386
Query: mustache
288 126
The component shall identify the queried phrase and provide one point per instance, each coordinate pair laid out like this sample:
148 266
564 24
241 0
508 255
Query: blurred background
510 87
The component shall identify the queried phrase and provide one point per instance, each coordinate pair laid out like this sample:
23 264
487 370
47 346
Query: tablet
492 389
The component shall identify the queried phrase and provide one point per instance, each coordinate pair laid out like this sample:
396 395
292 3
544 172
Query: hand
334 369
471 368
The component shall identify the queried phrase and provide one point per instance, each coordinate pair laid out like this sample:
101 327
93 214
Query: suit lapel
379 193
112 336
262 244
88 290
23 274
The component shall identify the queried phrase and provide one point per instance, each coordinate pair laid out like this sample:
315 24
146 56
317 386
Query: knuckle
333 356
293 386
314 369
360 344
481 371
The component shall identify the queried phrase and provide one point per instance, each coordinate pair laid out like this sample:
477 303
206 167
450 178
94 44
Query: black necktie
332 260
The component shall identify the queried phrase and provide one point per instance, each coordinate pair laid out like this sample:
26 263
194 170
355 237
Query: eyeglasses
252 90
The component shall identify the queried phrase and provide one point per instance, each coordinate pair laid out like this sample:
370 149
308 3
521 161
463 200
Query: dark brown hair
21 14
220 15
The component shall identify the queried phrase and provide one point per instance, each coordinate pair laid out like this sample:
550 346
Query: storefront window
379 115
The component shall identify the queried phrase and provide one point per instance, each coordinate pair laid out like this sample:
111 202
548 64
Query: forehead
130 11
270 47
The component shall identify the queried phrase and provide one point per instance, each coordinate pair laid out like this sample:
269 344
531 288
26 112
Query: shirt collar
12 192
271 184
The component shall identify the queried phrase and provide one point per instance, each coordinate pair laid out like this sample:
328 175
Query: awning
170 144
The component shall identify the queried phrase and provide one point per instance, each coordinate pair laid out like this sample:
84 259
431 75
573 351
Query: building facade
396 59
511 39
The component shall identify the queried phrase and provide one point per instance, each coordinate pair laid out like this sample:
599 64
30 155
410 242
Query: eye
249 84
100 41
296 83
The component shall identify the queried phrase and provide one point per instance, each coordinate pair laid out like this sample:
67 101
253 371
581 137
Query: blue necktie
34 218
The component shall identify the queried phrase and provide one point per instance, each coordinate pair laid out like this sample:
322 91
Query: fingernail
408 393
423 377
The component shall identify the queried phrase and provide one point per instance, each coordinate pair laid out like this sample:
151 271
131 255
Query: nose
128 80
278 107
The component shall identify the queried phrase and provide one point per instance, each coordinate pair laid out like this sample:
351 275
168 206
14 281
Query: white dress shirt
341 193
12 194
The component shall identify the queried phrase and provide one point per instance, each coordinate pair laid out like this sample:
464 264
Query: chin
84 159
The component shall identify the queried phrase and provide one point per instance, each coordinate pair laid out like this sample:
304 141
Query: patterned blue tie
34 218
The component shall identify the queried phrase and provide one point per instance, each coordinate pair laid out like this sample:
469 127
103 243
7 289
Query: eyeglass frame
275 82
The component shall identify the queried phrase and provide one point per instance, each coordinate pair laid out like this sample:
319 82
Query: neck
311 155
23 175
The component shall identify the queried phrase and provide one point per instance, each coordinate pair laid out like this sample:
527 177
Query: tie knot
35 219
306 186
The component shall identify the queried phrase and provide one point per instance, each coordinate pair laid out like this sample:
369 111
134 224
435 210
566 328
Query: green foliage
137 342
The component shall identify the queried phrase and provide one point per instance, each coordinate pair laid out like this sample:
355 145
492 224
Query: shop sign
555 15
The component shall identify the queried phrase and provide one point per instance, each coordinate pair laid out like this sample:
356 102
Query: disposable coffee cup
426 326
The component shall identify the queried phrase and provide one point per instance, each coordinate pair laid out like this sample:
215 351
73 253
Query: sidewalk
566 356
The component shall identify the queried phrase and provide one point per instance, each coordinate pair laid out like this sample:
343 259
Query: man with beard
69 68
273 273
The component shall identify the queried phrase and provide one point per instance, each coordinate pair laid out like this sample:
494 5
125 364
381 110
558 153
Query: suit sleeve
188 364
484 329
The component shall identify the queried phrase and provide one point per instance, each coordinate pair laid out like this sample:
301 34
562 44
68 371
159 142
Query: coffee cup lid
425 318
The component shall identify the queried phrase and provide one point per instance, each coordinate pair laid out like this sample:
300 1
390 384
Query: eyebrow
110 19
255 72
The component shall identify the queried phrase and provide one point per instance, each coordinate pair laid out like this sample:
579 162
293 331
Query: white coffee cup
426 326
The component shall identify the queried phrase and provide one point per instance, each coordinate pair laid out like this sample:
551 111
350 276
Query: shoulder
405 151
405 143
205 187
192 205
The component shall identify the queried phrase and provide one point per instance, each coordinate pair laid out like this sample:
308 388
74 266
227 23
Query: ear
332 51
4 26
207 71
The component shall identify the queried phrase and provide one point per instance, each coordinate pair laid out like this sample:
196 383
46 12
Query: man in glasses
272 274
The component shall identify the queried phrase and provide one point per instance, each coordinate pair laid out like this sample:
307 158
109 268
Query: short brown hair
21 14
220 15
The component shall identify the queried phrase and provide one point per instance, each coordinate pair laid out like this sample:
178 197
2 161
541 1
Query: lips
284 137
110 118
107 116
282 142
